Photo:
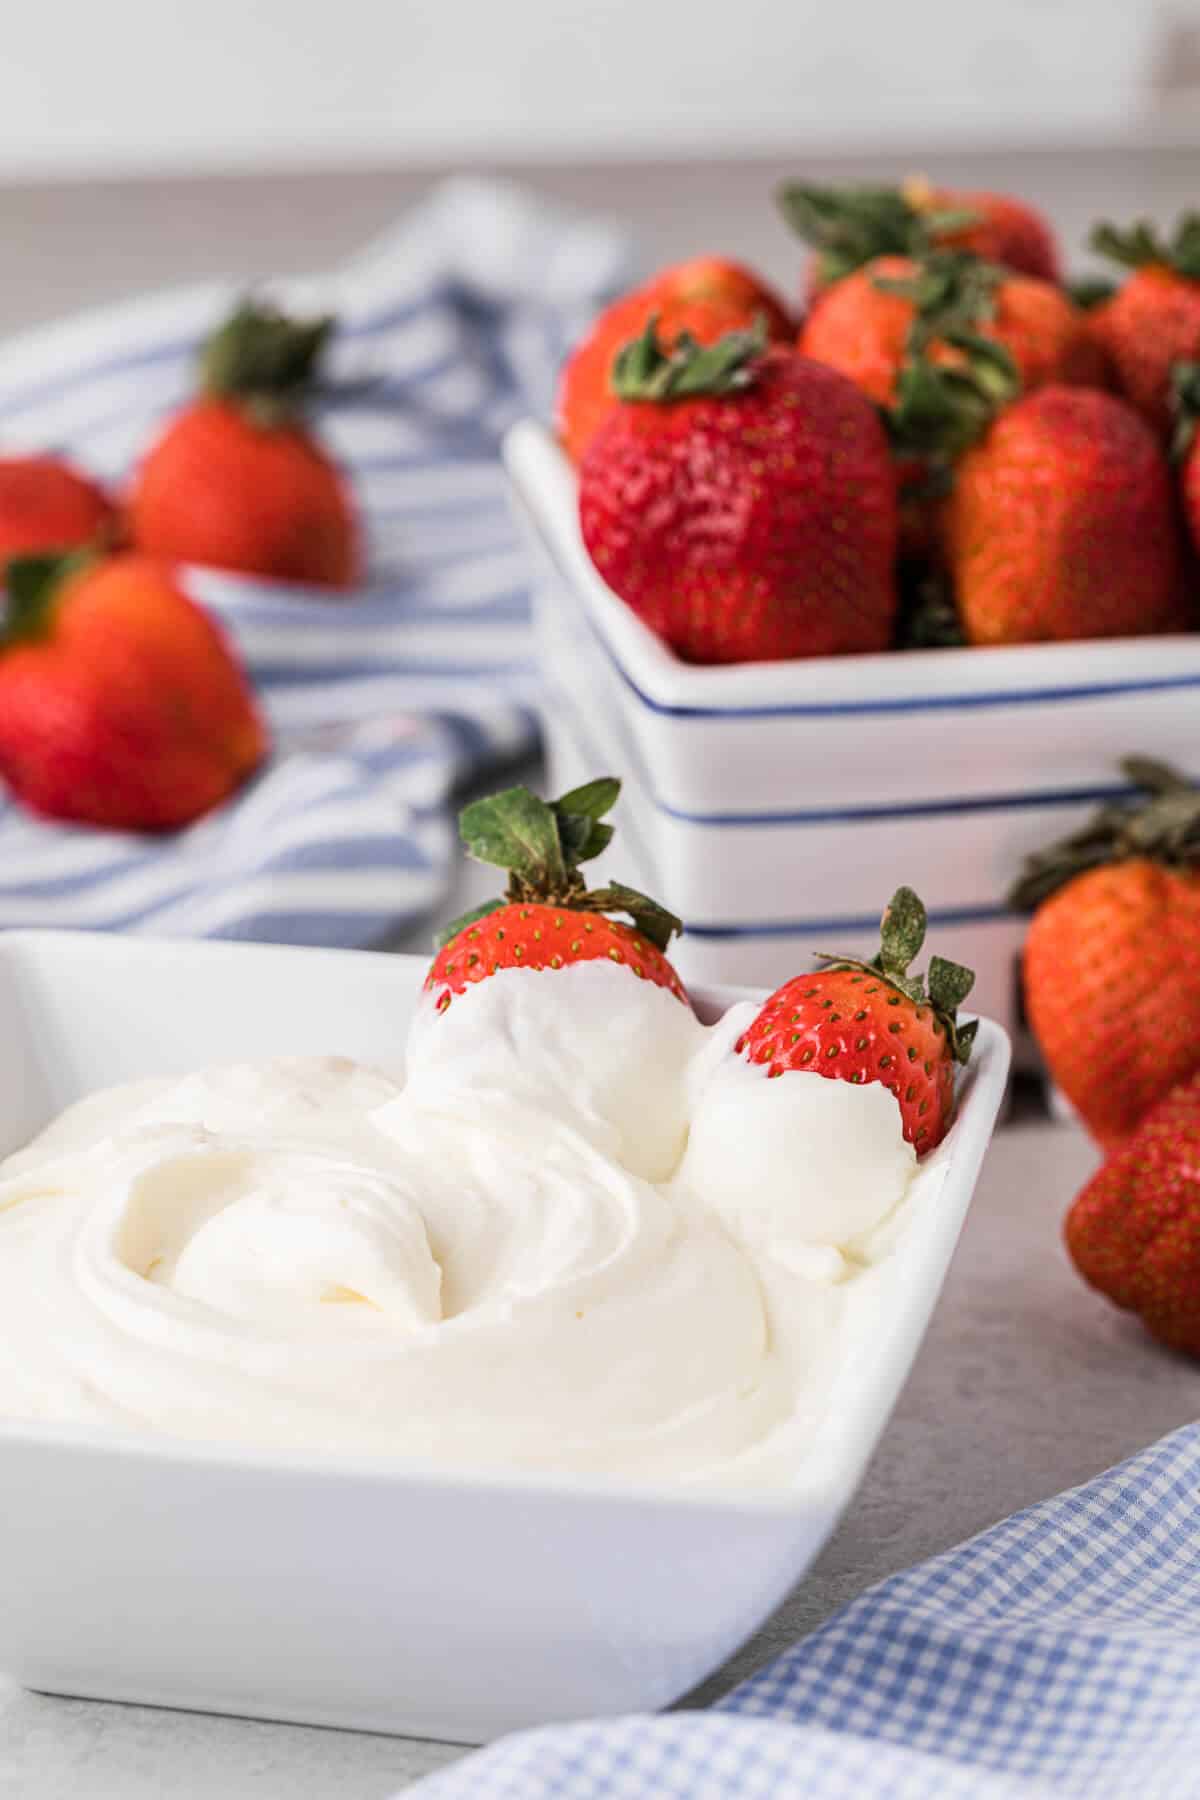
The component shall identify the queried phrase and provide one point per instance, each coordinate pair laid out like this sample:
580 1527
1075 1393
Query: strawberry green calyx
1185 406
901 935
541 844
32 585
941 409
265 361
1163 826
648 369
850 226
1142 244
1087 292
952 290
942 406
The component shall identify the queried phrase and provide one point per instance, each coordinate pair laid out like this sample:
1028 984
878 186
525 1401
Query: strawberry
548 919
741 501
45 504
1153 320
873 1021
705 297
850 226
1134 1230
1112 959
238 480
871 323
1061 524
121 703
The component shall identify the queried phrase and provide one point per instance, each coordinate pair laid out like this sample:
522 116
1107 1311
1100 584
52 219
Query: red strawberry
45 504
1112 959
850 226
741 501
238 480
1153 320
705 297
120 702
1134 1230
1061 524
548 919
873 1021
871 322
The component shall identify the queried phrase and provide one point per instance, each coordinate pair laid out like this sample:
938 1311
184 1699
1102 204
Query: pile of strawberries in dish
121 703
950 446
1112 992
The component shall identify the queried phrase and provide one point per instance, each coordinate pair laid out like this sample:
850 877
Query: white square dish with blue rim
373 1593
779 804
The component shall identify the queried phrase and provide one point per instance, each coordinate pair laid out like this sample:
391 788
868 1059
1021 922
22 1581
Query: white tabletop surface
1027 1382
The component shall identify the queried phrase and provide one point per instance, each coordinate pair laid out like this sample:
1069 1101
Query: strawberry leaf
1162 824
518 832
265 361
850 226
1142 243
651 919
579 815
901 933
594 798
581 837
949 983
647 369
1138 244
1090 291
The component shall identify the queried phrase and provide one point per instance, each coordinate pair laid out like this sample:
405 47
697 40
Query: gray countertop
1027 1382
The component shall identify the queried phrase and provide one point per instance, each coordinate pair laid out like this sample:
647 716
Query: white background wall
121 86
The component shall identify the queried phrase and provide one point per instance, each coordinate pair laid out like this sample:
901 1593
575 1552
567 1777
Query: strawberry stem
542 843
942 407
1142 243
901 935
265 361
1163 826
850 226
648 369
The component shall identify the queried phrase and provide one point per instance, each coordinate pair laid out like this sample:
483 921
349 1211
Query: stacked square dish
747 786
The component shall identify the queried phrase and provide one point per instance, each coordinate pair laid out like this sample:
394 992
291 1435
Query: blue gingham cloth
1057 1653
452 326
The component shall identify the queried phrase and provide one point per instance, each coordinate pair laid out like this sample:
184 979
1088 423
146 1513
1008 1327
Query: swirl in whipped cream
577 1235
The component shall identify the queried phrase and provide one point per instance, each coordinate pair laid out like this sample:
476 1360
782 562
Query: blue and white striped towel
451 326
1057 1653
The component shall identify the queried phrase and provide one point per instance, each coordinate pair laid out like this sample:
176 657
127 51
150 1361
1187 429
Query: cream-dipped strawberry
873 1021
849 1145
542 1001
549 918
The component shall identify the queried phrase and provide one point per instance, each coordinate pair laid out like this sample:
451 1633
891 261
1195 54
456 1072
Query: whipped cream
575 1233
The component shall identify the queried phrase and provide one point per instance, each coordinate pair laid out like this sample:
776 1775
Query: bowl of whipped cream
437 1372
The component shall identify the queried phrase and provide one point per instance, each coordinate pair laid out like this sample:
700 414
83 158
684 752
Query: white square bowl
370 1593
778 805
